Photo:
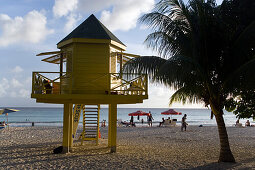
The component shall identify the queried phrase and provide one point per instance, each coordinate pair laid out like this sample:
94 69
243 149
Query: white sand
138 148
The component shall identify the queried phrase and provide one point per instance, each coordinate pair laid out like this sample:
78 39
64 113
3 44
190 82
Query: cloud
31 28
72 19
63 7
17 69
124 14
14 88
24 93
116 14
4 86
95 5
15 83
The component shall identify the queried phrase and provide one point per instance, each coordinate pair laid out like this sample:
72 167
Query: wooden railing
119 84
129 84
49 82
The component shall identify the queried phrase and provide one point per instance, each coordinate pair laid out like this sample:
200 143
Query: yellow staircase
90 123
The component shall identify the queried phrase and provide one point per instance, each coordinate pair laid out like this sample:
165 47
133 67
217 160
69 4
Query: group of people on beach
247 123
149 120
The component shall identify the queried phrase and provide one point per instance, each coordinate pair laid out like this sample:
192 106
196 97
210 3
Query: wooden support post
61 64
61 70
112 127
121 63
68 128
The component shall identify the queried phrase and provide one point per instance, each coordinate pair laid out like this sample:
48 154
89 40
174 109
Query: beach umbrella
171 112
6 111
139 113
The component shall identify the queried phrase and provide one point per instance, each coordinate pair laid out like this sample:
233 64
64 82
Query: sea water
54 116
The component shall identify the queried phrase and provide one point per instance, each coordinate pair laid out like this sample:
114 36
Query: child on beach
160 123
184 123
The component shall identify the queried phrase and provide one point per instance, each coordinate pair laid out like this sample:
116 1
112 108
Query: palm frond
242 78
144 65
186 95
180 70
163 43
245 42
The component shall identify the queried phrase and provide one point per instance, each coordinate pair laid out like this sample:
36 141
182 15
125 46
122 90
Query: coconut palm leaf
144 65
186 95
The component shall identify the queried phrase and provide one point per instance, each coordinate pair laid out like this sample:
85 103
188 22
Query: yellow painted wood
112 131
128 54
90 79
90 123
67 128
118 45
90 63
83 40
89 99
49 53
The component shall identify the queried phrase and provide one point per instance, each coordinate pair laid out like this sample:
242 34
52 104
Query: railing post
70 83
121 58
33 82
109 80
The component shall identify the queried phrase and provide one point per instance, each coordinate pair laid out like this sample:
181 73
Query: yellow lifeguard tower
93 76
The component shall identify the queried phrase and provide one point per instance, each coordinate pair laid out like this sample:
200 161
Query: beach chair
239 125
166 123
119 123
173 122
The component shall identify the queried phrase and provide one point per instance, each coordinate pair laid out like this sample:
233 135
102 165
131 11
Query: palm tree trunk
225 152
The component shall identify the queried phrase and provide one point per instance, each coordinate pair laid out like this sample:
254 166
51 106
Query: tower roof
92 28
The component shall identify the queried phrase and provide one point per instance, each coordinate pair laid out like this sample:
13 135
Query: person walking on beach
132 120
184 123
150 118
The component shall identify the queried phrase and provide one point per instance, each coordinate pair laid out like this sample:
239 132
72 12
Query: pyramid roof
92 28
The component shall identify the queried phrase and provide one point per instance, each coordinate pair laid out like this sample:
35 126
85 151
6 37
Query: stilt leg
112 131
67 128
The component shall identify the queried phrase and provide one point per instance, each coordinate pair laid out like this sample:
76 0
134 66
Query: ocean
54 116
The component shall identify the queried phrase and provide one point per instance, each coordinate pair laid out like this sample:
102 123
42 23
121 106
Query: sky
28 27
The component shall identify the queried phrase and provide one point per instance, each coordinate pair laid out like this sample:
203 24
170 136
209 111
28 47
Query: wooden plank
48 53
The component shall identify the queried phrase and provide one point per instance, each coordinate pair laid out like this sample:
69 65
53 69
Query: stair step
91 111
94 131
90 135
87 139
90 120
90 123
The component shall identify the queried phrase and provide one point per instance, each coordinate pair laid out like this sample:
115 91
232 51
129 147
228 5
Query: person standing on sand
184 123
132 120
150 118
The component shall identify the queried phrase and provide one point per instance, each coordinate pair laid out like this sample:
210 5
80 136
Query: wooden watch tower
92 75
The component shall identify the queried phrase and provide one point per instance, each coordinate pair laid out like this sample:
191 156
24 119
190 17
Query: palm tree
200 56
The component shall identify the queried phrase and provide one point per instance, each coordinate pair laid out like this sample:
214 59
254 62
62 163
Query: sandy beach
138 148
